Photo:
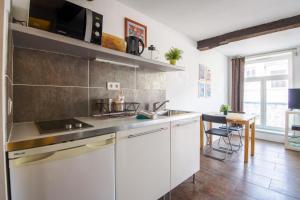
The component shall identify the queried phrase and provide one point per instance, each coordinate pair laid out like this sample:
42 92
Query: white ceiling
201 19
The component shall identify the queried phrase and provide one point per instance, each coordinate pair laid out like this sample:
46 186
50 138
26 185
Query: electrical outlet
113 86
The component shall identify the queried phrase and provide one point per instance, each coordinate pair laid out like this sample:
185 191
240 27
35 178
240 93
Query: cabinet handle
147 132
186 123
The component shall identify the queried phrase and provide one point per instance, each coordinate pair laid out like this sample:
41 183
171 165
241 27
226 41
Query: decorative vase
173 62
225 112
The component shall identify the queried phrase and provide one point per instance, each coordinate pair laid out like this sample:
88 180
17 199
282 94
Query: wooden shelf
27 37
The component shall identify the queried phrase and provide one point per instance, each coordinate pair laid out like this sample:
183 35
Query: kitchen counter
26 135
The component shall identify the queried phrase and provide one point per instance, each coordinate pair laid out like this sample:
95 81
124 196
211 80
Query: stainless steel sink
169 113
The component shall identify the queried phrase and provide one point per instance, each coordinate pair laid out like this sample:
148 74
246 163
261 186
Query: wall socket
113 86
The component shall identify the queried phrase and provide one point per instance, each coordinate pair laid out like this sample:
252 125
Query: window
266 89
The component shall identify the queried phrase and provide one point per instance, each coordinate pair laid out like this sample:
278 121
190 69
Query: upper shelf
28 37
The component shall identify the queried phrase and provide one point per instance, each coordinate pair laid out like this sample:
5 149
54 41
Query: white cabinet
78 170
185 150
143 163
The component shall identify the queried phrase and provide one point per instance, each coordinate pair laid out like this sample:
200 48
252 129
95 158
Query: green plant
174 54
224 108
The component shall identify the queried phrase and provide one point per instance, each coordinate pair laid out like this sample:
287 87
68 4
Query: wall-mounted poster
207 89
208 74
133 28
201 72
201 86
204 82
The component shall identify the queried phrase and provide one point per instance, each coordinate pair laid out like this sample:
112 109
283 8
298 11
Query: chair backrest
214 119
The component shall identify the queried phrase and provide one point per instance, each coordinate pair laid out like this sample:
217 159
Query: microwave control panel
97 28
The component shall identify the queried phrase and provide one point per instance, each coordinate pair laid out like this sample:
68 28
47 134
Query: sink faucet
156 107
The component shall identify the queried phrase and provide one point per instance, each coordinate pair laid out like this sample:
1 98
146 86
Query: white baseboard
269 136
273 137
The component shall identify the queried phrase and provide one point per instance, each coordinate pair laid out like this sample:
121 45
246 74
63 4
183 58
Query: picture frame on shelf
133 28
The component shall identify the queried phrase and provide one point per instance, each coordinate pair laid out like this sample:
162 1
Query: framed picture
204 82
202 69
133 28
201 88
208 74
208 89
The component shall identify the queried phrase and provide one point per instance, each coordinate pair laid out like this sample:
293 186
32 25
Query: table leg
210 136
253 139
201 133
246 142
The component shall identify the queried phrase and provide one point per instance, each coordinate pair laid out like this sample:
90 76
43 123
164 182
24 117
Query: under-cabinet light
116 63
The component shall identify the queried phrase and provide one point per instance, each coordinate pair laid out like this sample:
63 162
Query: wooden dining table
246 120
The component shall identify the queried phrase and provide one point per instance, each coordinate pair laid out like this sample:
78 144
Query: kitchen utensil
154 53
134 44
105 105
118 106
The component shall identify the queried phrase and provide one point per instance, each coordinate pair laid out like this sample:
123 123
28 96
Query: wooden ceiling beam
272 27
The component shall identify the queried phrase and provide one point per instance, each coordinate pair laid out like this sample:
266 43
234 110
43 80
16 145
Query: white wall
182 89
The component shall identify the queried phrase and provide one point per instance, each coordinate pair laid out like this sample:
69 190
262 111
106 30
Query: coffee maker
133 45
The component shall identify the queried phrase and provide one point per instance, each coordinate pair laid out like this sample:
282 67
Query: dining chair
236 128
221 132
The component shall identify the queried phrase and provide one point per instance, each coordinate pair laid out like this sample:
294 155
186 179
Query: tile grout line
88 87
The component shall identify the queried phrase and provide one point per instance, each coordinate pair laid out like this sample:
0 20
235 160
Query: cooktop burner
54 126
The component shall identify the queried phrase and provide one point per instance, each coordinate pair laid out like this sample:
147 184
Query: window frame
263 81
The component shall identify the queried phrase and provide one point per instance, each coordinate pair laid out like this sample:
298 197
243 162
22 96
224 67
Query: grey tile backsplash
40 68
51 86
100 73
33 103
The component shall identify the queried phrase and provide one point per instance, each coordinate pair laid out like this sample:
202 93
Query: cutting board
113 42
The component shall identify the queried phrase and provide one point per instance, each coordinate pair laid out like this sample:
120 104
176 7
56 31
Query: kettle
133 45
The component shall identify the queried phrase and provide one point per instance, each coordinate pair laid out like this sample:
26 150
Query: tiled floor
273 174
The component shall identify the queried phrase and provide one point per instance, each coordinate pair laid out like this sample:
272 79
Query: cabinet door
143 163
185 150
78 173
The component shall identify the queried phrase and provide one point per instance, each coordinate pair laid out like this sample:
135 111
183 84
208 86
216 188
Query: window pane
276 102
267 68
252 104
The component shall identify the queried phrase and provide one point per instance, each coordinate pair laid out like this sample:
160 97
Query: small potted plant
173 55
224 108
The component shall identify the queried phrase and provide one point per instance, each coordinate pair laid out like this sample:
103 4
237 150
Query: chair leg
219 141
229 146
241 134
229 142
194 178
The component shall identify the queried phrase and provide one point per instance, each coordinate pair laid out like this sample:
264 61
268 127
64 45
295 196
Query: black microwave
66 18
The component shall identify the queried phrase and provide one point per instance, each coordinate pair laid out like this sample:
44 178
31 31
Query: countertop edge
59 138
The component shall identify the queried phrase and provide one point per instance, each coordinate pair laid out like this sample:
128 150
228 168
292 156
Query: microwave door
71 20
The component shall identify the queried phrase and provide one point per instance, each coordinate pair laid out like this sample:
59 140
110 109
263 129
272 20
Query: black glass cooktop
54 126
